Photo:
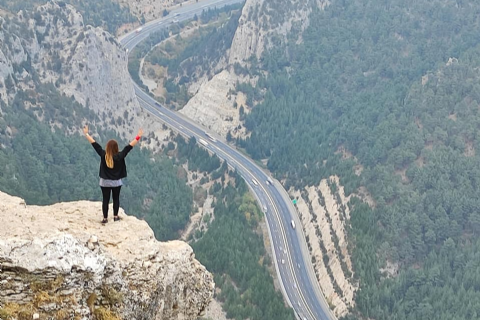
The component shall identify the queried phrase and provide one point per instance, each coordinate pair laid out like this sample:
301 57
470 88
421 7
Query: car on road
265 209
283 261
255 182
139 30
209 136
269 181
293 224
205 143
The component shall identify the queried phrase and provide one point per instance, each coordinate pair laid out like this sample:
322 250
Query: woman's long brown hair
111 150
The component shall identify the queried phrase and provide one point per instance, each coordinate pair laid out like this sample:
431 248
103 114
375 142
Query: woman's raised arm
135 141
89 138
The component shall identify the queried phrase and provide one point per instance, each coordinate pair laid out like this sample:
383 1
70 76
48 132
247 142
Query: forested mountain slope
395 85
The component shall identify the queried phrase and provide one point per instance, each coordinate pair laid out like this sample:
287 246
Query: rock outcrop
12 53
248 39
51 44
213 105
59 262
93 64
263 20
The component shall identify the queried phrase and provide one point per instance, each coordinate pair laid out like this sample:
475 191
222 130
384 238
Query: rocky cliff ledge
59 262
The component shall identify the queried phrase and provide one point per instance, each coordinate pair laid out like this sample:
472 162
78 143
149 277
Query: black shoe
104 221
116 218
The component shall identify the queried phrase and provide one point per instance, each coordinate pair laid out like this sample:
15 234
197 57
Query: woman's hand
139 135
89 138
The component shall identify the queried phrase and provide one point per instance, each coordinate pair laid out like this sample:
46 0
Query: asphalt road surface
292 259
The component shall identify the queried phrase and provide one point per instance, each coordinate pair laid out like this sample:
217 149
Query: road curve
291 257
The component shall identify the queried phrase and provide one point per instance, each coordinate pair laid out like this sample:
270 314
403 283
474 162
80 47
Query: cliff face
264 20
213 105
59 261
93 64
52 45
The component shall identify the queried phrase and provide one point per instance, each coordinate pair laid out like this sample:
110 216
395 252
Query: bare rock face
51 44
88 63
11 53
248 40
59 262
213 105
263 20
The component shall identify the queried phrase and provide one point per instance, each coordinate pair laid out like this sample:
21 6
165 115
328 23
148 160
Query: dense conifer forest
395 83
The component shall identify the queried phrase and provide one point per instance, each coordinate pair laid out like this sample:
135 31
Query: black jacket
119 169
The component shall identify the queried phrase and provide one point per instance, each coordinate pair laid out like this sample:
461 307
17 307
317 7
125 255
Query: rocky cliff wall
59 262
52 45
264 20
214 105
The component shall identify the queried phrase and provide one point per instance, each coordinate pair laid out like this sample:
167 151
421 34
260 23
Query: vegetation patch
111 296
101 313
13 311
38 284
92 298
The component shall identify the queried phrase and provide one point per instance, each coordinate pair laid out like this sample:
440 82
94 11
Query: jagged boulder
60 262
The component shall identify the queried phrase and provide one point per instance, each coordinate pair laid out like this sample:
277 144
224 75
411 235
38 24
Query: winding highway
292 259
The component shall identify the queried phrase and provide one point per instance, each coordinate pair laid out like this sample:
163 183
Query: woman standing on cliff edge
112 171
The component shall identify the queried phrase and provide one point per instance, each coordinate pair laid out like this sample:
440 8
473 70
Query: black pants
106 199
